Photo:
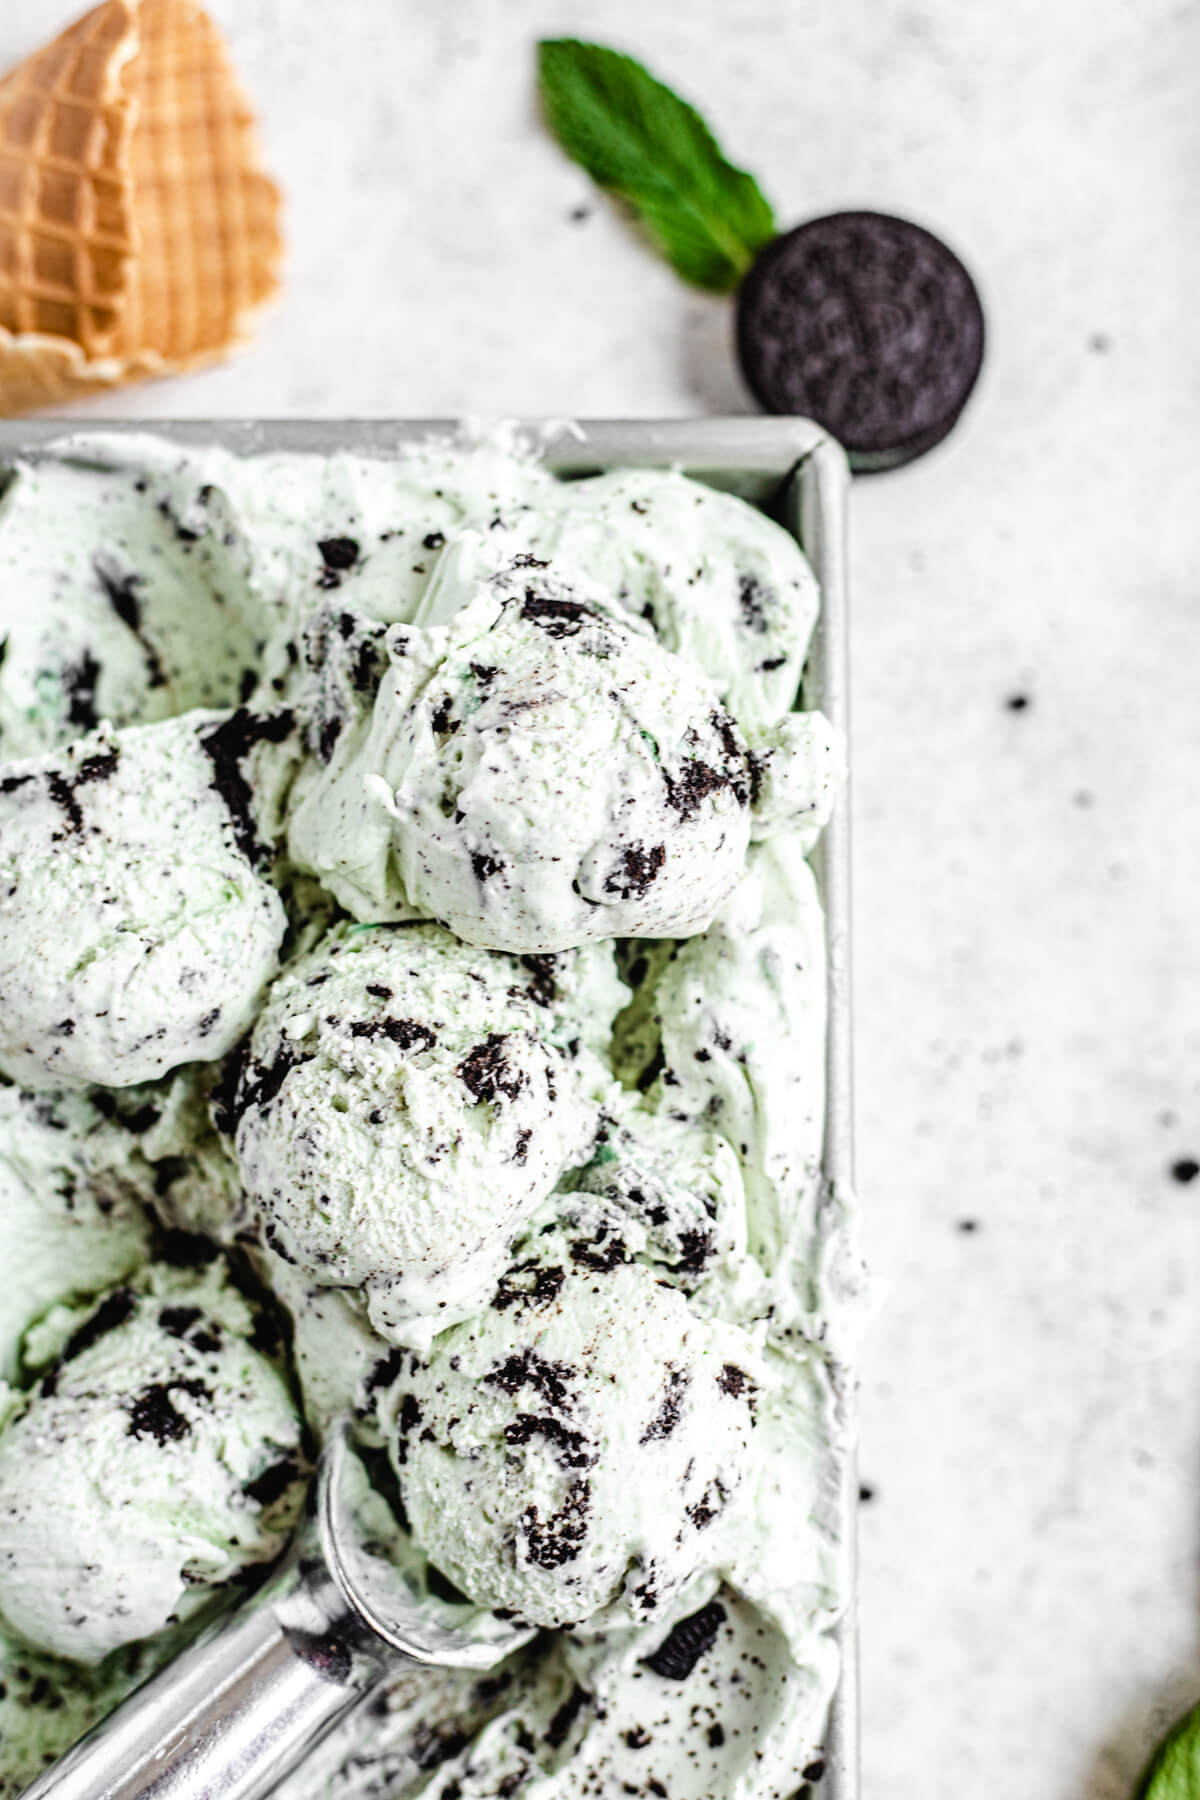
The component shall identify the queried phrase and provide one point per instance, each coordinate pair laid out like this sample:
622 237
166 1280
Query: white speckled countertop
1026 646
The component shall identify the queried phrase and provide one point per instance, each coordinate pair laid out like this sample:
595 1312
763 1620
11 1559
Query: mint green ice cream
527 1150
719 582
61 1230
124 596
407 1103
582 1445
158 1455
137 925
539 772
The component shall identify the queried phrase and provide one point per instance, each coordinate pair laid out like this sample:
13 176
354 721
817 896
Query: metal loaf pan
795 471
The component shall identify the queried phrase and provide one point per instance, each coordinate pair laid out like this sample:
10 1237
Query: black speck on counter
968 1226
1018 703
1185 1170
866 1493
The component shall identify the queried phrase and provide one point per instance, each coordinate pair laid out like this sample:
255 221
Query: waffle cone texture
139 233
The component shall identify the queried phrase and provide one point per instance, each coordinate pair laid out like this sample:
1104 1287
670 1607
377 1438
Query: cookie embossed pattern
682 1656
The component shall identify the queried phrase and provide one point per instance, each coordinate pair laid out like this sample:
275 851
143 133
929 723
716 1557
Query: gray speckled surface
1029 1052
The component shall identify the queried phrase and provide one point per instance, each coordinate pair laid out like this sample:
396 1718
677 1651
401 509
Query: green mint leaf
1175 1772
643 143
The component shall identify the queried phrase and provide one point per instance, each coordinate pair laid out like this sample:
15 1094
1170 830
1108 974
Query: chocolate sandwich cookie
869 325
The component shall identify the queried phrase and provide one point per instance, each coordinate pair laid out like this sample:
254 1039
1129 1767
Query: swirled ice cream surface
413 1009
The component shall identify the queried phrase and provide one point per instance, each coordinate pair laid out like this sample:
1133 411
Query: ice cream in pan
458 975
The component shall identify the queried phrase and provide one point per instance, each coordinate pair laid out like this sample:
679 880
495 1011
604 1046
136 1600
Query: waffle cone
138 231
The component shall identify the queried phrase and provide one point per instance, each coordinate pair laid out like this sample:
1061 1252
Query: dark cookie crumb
545 1286
486 1072
404 1032
63 789
557 618
737 1384
79 684
687 1642
112 1311
442 723
274 1482
603 1252
668 1415
526 1369
120 589
561 1721
177 1322
186 1249
559 1539
433 1745
695 783
338 555
386 1371
572 1449
543 968
263 1082
441 1586
752 604
695 1249
227 745
408 1418
639 870
154 1414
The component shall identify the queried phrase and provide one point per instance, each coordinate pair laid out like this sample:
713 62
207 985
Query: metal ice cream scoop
238 1709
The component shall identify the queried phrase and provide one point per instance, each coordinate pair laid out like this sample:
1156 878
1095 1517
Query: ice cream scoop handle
234 1713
